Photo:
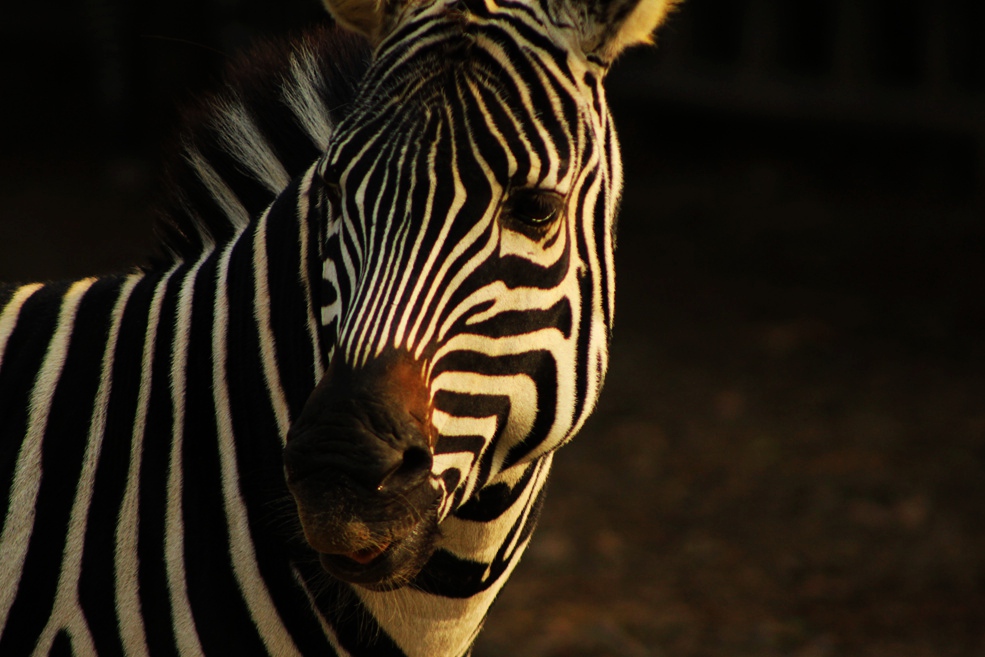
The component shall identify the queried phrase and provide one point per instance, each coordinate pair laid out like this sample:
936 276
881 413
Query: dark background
789 457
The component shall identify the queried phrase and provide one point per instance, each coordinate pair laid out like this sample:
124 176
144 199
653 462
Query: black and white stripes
399 295
489 110
171 447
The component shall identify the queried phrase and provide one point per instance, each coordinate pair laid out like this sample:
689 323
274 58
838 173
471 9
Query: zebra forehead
425 72
445 35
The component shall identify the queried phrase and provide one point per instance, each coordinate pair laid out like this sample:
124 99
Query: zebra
324 423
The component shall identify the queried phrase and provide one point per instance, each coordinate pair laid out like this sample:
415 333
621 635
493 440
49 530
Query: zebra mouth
376 540
371 567
368 555
386 565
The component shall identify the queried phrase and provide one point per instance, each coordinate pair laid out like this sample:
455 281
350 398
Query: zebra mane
239 147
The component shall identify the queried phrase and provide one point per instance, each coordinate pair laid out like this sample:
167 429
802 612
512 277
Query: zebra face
470 199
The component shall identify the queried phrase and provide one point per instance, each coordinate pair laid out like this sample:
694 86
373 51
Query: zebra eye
536 208
330 179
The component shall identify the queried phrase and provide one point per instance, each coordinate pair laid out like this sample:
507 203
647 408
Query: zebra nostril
415 465
416 459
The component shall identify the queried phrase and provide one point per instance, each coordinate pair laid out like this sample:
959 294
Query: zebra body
162 514
382 361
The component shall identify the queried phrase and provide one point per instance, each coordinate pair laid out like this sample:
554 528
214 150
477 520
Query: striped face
471 195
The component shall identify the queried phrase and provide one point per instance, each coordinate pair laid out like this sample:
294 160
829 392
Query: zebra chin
388 564
358 463
379 555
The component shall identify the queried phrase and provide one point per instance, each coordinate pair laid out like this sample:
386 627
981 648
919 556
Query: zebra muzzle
358 463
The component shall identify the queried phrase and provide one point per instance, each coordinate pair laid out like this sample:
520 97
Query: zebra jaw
358 463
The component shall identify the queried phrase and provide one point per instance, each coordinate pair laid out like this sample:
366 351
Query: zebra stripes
174 522
523 288
380 361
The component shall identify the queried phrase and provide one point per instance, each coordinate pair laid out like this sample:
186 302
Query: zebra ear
370 18
607 27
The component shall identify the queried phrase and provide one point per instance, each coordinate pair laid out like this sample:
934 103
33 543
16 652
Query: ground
789 455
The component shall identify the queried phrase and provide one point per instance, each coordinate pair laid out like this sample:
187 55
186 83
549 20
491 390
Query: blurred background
789 457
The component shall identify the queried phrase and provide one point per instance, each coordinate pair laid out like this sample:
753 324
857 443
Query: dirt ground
789 456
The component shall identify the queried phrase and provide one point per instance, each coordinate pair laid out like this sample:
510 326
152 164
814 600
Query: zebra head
470 196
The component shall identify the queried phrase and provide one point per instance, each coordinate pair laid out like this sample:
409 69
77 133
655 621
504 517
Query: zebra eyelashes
532 211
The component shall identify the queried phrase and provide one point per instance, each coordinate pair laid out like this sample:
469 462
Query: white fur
67 611
268 350
19 525
308 107
8 318
126 563
231 206
185 633
245 141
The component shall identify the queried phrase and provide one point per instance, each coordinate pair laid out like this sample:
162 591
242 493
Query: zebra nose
363 458
411 470
369 426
